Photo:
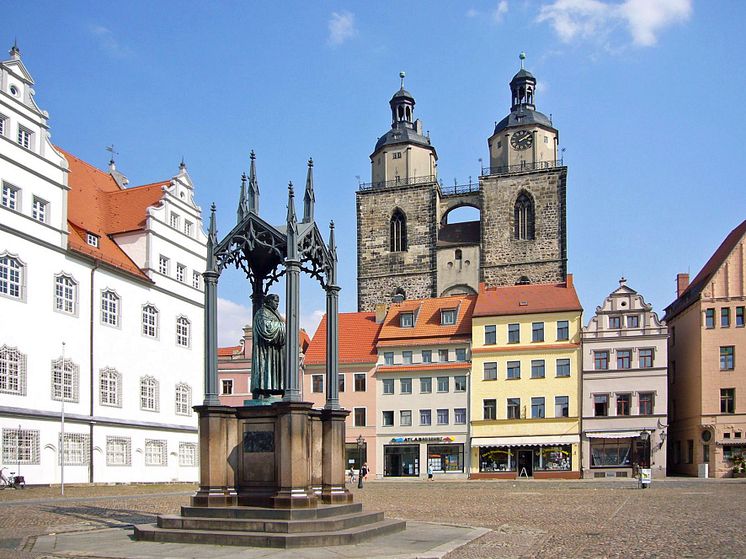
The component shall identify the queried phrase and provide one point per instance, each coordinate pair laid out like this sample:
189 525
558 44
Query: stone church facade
407 249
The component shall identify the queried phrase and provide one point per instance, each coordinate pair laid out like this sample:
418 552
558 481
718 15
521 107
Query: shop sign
422 439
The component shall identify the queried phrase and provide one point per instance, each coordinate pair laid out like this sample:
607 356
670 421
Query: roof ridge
89 165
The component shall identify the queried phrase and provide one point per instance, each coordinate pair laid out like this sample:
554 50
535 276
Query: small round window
14 90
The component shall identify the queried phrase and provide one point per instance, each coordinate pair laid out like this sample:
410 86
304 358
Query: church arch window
398 240
523 217
399 295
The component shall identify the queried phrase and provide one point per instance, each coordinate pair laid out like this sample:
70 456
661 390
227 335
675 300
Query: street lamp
360 445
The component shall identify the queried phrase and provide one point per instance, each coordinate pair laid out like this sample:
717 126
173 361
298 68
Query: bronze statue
268 355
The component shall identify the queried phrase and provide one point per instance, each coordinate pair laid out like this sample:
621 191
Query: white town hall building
114 274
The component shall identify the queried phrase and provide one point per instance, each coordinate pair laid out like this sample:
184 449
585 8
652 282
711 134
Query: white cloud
595 19
341 27
500 10
310 321
108 42
232 317
471 12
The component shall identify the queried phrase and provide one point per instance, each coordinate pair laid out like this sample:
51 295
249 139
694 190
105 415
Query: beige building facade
707 389
625 387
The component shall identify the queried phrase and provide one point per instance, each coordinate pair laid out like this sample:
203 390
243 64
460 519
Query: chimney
380 313
568 281
682 282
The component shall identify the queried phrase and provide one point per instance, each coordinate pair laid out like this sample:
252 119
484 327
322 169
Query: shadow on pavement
105 517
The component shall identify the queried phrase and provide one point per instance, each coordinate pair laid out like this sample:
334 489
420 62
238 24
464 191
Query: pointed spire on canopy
212 240
182 165
333 252
292 224
243 203
253 192
309 198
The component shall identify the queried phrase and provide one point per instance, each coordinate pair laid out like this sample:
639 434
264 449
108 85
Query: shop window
401 460
601 360
601 405
405 386
490 370
426 385
354 458
490 334
514 408
563 330
727 358
623 404
563 367
611 453
514 333
388 385
497 459
709 318
317 383
445 458
537 332
553 458
489 408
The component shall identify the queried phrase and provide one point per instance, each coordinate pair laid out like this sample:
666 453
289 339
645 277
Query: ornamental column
211 276
292 300
332 328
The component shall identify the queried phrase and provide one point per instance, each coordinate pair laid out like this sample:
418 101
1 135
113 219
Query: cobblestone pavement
588 519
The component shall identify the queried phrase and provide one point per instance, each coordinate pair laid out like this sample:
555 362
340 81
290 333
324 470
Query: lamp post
645 438
360 445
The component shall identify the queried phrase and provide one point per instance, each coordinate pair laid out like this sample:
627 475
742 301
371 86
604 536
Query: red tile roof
228 351
691 293
527 299
423 367
427 327
357 339
305 340
98 205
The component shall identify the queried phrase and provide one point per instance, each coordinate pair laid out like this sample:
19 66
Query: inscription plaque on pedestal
258 441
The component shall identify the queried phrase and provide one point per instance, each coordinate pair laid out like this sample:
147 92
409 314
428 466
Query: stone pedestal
217 457
333 490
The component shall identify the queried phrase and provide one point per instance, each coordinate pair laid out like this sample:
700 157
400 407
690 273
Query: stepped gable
97 204
358 332
527 299
427 321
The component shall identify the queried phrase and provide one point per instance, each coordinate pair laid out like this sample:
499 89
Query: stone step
348 536
331 524
262 513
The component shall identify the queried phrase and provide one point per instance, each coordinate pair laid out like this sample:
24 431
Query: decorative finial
622 281
252 155
522 56
402 75
310 161
291 191
182 165
14 52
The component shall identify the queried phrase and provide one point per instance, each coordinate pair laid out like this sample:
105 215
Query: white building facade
102 311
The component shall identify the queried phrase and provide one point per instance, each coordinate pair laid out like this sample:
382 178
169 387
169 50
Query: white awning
614 435
539 440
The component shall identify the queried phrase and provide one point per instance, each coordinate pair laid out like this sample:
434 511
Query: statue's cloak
268 353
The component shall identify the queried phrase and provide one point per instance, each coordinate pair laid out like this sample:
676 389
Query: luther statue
268 355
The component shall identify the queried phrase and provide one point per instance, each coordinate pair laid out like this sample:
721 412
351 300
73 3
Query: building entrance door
526 460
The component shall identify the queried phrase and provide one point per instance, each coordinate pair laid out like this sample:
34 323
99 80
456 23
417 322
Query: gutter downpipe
96 264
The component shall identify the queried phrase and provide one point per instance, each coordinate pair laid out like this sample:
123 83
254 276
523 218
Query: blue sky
647 95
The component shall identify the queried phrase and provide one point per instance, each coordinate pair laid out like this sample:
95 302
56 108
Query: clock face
521 140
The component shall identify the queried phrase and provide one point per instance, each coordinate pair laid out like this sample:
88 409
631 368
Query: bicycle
14 481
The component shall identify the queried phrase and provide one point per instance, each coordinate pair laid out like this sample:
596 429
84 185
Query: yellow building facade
525 398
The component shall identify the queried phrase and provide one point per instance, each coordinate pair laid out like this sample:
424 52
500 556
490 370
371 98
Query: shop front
616 454
413 456
513 457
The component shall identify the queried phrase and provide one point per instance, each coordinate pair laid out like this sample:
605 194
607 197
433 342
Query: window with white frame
21 446
188 228
76 449
118 451
39 209
196 279
156 452
149 400
163 265
12 276
183 327
183 399
25 137
174 220
65 294
12 371
227 386
187 454
65 380
110 387
92 239
11 197
150 321
3 124
180 272
109 308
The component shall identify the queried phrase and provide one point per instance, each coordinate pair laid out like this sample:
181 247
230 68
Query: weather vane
110 149
402 75
522 56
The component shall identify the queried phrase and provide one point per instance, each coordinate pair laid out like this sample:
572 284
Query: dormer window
92 239
406 320
447 317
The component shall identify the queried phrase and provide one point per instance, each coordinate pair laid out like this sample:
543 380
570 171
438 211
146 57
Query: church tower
524 229
396 224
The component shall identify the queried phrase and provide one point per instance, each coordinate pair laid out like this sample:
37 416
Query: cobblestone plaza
673 518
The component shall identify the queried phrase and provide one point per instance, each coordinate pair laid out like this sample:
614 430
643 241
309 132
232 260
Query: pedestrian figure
364 472
429 472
